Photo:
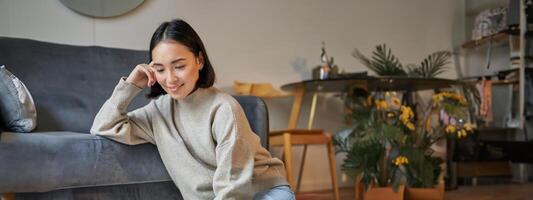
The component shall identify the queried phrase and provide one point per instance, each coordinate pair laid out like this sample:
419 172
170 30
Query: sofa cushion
17 109
45 161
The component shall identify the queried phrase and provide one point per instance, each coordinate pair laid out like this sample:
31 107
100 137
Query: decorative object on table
384 63
489 22
390 145
327 68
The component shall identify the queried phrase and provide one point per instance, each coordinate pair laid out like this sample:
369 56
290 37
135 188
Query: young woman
201 133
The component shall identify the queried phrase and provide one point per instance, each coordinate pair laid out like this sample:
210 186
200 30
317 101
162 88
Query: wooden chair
9 196
289 137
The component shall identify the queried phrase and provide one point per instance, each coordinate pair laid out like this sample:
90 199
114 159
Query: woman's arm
235 151
113 122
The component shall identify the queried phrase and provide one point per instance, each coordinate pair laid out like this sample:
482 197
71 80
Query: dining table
367 83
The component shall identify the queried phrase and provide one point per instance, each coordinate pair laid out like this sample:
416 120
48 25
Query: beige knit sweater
204 140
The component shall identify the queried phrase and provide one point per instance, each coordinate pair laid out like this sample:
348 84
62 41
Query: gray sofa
60 160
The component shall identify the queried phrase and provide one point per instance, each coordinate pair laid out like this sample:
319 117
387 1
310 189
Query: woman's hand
142 76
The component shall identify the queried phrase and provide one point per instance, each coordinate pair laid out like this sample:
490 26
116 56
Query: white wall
275 41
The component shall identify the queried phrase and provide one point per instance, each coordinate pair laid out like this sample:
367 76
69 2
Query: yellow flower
437 98
396 101
406 114
428 126
469 126
410 126
381 104
461 133
369 100
407 110
400 160
390 114
450 129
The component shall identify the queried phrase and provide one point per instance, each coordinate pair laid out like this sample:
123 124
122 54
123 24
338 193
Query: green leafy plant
431 66
384 63
388 144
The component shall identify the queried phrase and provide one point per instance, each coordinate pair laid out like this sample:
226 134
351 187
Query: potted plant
390 145
370 140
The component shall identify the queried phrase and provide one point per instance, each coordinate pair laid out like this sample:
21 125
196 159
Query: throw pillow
17 109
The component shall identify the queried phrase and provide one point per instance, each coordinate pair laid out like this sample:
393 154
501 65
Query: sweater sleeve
113 122
235 150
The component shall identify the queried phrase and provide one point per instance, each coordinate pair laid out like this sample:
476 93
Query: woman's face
176 68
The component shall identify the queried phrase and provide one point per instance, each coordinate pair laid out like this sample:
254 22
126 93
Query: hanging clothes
485 108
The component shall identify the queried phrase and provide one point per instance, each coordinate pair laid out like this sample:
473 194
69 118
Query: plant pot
435 193
378 193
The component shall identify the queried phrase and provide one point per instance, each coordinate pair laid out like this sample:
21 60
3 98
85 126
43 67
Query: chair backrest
263 90
256 112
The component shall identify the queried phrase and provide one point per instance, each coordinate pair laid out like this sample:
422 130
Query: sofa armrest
46 161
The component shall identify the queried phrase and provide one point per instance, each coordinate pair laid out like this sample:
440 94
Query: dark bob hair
181 32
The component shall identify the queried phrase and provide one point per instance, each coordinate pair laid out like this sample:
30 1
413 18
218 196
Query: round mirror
102 8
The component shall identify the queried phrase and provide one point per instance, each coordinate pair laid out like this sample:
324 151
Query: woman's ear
200 60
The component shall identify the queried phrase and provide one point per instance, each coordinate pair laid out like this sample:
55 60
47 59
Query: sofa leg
8 196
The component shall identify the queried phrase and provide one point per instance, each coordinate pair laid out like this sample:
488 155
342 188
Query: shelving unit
503 76
496 38
501 37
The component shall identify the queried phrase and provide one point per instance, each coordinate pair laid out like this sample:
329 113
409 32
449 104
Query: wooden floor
492 192
482 192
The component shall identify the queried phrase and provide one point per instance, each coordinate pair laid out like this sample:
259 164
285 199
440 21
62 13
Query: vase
435 193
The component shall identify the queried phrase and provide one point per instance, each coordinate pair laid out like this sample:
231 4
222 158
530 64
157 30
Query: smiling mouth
174 88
